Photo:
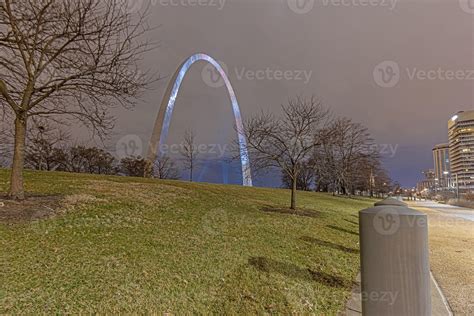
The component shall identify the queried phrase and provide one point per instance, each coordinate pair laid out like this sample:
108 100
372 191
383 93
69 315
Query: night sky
401 68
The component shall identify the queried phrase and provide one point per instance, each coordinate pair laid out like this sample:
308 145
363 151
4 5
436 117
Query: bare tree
352 146
347 157
72 159
72 59
189 152
324 169
165 168
133 166
286 143
43 142
382 184
6 143
305 178
98 161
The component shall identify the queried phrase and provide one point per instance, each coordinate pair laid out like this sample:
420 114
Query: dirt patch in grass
298 212
39 207
32 208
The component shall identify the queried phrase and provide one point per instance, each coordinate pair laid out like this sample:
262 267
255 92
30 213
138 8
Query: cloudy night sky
402 68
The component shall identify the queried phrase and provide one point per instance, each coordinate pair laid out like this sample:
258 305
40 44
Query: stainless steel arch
162 123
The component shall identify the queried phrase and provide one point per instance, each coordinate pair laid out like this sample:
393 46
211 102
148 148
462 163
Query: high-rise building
461 149
441 166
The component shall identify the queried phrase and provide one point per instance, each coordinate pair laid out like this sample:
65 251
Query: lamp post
457 186
446 180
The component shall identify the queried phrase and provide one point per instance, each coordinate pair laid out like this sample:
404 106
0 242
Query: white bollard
394 257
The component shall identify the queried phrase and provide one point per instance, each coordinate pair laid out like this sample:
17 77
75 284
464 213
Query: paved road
455 211
451 236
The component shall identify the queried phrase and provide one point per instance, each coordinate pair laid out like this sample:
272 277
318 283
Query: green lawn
140 245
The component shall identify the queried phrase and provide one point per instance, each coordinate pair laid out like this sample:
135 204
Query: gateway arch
162 123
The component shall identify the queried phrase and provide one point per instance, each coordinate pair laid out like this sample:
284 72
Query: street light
457 186
446 184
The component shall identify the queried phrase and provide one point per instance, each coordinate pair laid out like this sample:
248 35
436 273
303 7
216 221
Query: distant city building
442 171
461 149
428 184
429 174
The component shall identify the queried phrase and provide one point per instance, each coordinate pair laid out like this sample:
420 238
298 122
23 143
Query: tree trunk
17 191
293 194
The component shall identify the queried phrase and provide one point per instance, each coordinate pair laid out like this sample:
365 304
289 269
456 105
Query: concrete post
395 272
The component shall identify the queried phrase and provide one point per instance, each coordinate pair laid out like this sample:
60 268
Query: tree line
314 150
346 161
48 148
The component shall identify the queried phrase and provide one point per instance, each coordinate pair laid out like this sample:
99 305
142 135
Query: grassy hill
119 244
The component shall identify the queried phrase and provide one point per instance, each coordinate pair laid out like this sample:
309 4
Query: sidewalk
451 254
439 305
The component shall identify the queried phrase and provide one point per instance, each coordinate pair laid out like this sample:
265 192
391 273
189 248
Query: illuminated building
461 150
441 166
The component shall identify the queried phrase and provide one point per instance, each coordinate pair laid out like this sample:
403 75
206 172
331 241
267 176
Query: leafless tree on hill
286 142
189 152
68 59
